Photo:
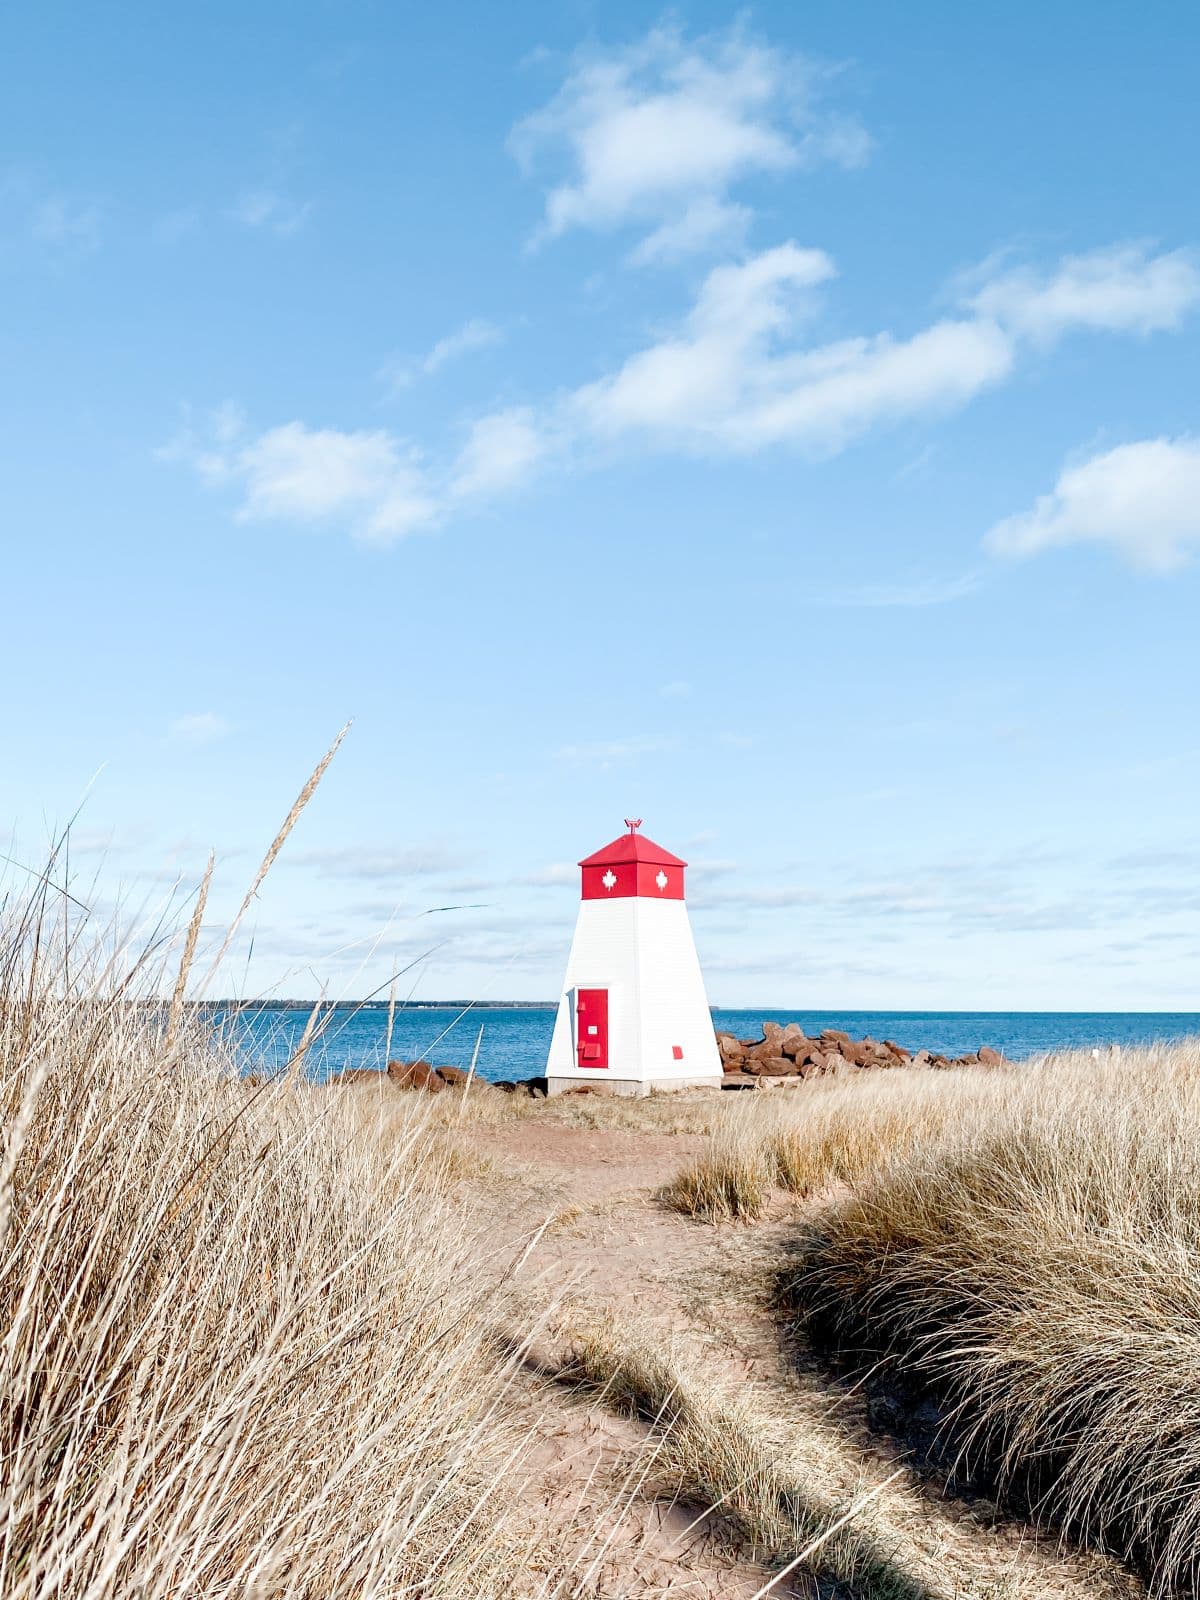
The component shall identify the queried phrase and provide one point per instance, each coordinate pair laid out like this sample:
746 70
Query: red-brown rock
454 1076
771 1067
989 1057
414 1075
833 1037
358 1075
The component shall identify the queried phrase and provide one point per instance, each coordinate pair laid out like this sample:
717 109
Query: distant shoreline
382 1005
552 1005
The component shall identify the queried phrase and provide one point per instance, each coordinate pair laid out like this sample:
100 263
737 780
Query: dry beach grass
274 1340
245 1350
1021 1246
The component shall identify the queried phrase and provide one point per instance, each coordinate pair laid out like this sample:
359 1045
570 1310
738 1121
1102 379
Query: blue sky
779 424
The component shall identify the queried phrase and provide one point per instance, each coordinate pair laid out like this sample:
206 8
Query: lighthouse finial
633 824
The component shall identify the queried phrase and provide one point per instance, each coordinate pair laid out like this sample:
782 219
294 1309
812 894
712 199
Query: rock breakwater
787 1053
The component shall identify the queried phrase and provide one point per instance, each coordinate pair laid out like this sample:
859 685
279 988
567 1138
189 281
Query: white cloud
199 727
1143 499
477 334
275 213
369 482
827 396
696 378
314 474
705 224
502 451
735 375
1123 289
730 377
653 129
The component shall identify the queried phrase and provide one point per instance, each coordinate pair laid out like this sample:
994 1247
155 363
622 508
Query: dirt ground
577 1206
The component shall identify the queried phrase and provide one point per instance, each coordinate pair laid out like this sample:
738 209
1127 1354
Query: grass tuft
730 1182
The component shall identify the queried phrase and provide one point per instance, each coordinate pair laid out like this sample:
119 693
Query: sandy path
612 1247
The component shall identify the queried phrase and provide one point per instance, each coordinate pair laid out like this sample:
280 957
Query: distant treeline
376 1005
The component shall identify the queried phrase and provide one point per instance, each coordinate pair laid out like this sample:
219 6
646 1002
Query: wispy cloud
477 334
905 596
316 474
382 861
271 212
199 727
611 752
1125 288
368 481
66 223
174 226
705 224
553 876
502 451
659 132
1142 500
739 373
735 376
63 224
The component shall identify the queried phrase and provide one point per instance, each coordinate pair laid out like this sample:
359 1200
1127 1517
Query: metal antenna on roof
633 824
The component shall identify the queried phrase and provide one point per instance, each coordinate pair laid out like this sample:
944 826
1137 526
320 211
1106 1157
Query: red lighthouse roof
632 866
633 846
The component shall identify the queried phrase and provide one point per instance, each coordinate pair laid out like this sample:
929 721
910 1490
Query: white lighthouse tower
633 1013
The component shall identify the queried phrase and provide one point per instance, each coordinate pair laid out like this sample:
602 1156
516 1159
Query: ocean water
515 1039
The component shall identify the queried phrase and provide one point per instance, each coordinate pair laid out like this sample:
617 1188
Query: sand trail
613 1255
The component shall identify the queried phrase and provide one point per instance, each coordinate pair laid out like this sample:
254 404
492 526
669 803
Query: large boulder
771 1066
989 1057
358 1075
414 1075
795 1042
729 1046
834 1038
454 1076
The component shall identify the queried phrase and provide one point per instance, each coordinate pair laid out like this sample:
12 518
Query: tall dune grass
1034 1262
243 1353
731 1180
830 1131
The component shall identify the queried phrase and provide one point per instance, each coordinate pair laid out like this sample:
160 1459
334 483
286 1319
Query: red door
591 1027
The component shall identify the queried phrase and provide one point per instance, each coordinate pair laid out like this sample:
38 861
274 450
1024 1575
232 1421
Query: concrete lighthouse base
602 1084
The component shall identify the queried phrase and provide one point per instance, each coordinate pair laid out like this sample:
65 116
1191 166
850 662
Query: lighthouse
633 1013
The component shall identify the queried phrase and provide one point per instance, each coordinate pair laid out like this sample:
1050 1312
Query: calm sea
516 1038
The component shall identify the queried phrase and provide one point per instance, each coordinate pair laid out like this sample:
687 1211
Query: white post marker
633 1014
